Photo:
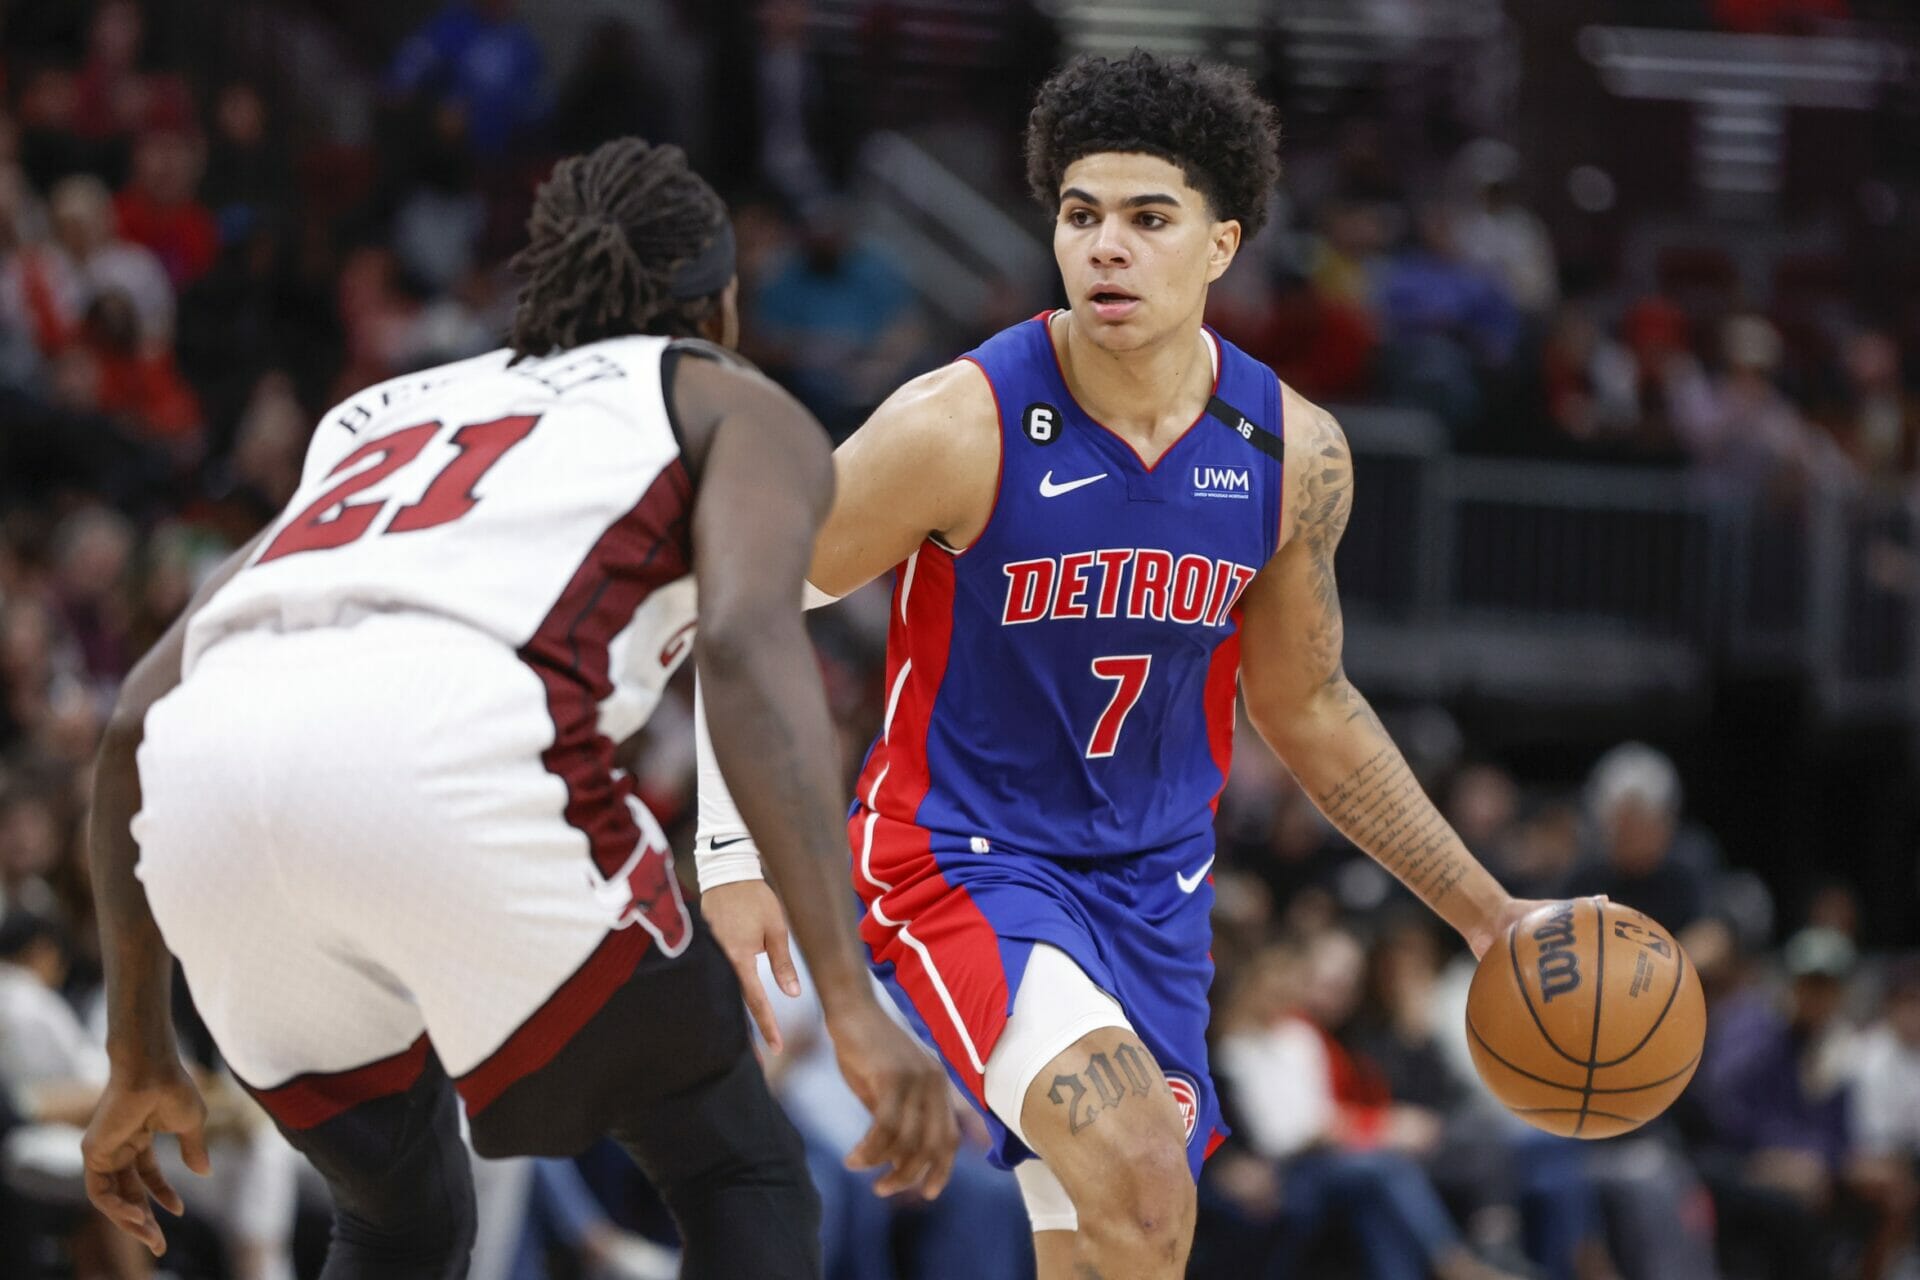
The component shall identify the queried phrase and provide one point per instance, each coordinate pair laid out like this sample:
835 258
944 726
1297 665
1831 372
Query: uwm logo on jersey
1133 582
1222 482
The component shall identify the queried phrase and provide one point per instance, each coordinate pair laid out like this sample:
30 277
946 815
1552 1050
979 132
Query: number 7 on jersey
1129 671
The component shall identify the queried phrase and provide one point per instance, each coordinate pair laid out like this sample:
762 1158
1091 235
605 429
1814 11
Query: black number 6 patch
1041 421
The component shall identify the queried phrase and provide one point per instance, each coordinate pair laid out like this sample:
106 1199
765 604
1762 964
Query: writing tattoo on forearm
1382 808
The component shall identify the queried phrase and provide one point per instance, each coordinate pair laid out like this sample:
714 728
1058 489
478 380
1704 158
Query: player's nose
1109 247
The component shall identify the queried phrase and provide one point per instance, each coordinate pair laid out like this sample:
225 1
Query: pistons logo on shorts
1187 1094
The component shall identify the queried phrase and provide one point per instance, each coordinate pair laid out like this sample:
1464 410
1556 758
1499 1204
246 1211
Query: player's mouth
1112 303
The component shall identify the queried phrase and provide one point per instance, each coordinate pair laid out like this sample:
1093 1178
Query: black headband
707 272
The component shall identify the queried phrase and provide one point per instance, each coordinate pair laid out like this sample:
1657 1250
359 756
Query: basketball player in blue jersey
1101 523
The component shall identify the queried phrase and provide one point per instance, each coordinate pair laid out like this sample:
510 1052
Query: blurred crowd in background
217 218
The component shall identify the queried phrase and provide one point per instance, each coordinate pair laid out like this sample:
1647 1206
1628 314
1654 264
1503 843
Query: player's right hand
905 1090
746 920
121 1172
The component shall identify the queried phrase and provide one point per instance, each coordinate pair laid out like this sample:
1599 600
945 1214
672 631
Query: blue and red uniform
1059 721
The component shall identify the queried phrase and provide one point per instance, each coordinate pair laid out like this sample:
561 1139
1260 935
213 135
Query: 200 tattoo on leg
1102 1117
1103 1084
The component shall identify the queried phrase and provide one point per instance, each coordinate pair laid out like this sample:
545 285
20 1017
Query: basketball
1586 1019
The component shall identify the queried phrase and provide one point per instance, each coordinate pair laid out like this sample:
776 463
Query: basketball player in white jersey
374 810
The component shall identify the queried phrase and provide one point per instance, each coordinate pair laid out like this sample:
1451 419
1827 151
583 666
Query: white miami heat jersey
543 503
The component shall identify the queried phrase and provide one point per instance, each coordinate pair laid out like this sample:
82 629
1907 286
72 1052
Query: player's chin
1128 334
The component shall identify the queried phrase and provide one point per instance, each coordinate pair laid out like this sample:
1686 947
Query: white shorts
1056 1005
352 841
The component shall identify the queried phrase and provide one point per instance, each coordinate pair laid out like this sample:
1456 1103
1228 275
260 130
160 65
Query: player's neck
1148 395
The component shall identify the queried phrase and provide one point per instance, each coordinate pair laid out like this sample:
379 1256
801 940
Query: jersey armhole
1280 464
999 468
670 362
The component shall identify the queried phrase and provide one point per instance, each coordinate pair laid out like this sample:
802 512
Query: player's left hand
122 1174
746 920
1496 928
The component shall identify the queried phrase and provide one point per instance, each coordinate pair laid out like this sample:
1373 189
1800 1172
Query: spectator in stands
1742 425
137 381
1885 1112
1774 1089
1591 382
1644 858
1448 324
1348 255
111 97
1483 804
88 257
248 169
477 58
837 323
32 840
48 1053
1345 1152
1502 236
977 1227
1398 1032
20 342
92 553
160 207
1877 420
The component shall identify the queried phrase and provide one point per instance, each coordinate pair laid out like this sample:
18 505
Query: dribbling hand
122 1174
905 1091
746 920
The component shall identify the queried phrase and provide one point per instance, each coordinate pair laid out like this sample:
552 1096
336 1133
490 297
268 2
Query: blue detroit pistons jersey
1065 685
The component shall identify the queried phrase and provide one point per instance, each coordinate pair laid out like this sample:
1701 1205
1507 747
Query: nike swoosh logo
718 845
1048 489
1188 885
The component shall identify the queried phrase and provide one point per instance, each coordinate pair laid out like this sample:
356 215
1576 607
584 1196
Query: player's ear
722 325
1226 243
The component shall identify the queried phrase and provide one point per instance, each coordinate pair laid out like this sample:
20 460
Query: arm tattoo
1326 502
1382 808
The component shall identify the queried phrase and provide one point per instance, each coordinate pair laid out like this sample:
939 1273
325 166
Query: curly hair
607 231
1206 118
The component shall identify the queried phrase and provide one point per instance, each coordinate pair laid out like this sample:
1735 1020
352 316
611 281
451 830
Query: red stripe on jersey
307 1101
896 778
534 1042
642 551
944 952
1214 1140
1223 682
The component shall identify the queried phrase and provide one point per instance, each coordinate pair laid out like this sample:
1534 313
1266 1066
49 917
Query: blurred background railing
1585 583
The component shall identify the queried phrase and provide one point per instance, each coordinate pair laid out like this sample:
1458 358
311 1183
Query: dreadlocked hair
607 232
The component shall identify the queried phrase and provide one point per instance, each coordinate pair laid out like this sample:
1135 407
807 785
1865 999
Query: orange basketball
1586 1019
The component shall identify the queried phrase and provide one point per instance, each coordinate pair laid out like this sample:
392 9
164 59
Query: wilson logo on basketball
1559 962
1187 1095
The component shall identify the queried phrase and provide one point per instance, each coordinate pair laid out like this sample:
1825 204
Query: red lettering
1073 585
1242 578
1029 588
1218 592
1190 588
1152 571
1111 563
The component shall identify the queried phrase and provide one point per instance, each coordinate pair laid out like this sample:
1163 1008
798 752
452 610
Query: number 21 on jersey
322 527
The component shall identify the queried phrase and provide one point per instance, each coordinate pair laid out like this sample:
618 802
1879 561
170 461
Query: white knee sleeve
1056 1005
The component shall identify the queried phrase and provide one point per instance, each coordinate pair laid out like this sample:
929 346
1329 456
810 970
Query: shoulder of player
944 417
1319 464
